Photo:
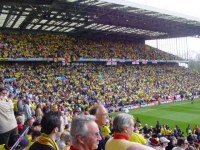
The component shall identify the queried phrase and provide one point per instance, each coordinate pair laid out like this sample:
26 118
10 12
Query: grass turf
178 113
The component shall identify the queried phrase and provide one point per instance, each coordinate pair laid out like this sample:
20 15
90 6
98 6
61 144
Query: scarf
44 139
120 136
72 148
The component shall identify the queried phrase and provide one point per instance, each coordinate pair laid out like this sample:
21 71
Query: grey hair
65 136
20 119
121 121
79 127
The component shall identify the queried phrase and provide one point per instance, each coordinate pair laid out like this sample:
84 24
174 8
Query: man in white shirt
8 123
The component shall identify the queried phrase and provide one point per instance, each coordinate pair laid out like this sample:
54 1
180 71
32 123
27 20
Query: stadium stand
76 87
15 45
41 73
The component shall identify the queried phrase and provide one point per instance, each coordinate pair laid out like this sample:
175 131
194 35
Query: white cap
164 140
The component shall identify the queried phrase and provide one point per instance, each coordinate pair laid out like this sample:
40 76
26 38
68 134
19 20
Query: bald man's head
101 114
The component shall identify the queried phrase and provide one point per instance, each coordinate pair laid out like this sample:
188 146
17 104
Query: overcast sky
189 8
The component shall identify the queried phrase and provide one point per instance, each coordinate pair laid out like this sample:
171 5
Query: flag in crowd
154 61
144 61
111 61
135 62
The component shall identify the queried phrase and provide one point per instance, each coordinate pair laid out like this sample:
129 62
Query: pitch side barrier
108 60
161 102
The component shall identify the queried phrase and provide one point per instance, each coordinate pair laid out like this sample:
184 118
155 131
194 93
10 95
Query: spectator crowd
67 107
16 45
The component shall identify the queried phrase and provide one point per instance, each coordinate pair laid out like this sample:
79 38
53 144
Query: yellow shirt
2 147
67 147
15 105
105 131
138 138
117 144
29 137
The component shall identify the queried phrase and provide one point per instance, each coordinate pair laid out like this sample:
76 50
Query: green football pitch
178 113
